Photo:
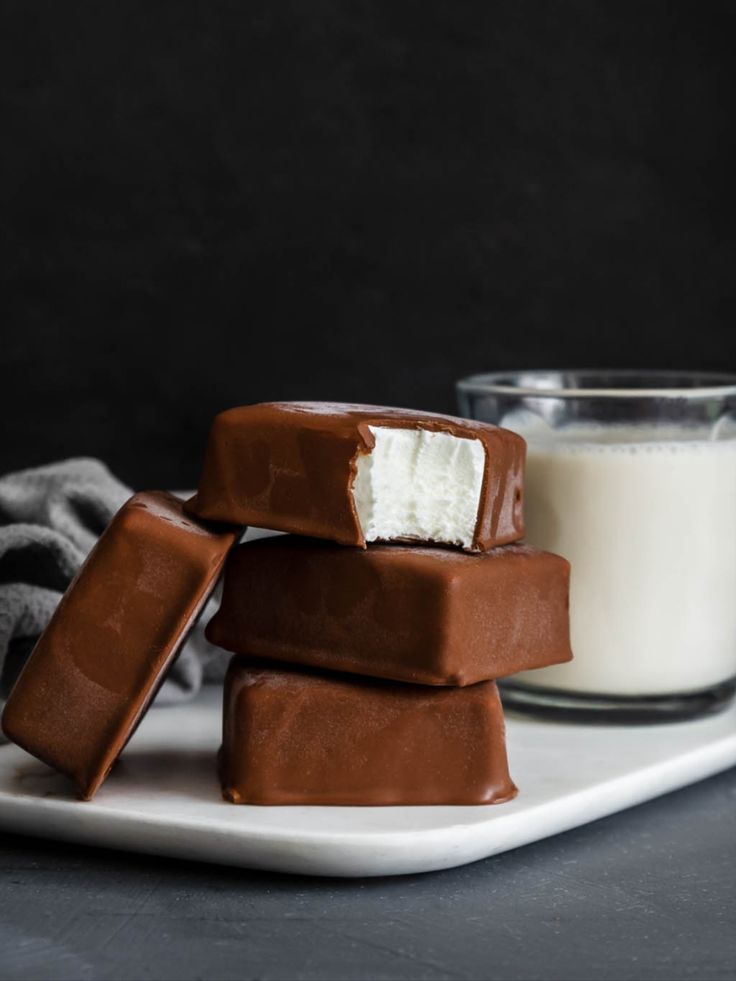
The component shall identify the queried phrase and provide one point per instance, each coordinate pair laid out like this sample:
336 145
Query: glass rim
705 384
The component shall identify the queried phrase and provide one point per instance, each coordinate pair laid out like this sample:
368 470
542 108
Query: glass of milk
632 477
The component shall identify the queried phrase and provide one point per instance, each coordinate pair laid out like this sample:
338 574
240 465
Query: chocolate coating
296 737
116 630
290 466
436 616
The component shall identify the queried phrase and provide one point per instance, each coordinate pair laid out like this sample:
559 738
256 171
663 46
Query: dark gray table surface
649 893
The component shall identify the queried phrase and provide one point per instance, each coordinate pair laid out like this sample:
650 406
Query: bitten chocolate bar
436 616
117 629
356 473
296 737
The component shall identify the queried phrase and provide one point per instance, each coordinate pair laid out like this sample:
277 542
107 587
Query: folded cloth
50 517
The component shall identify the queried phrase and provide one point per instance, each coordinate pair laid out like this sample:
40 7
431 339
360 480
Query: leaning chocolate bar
436 616
293 736
116 631
356 473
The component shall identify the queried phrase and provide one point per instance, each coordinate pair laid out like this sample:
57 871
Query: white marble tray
163 797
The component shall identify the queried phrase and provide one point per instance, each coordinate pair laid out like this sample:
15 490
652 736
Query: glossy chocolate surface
290 466
293 736
436 616
115 632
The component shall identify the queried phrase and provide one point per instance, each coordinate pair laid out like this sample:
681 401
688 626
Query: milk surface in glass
647 518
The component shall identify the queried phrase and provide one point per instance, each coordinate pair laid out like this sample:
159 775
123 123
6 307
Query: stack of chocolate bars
362 675
366 676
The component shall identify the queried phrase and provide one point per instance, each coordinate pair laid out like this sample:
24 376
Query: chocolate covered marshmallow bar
117 629
436 616
292 736
357 473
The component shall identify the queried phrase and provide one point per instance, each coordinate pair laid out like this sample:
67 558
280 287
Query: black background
206 204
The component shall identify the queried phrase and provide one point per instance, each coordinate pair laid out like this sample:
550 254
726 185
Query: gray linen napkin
50 517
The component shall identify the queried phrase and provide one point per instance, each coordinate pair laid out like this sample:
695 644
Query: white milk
650 531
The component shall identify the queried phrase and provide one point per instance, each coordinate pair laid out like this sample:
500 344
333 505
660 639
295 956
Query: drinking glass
631 475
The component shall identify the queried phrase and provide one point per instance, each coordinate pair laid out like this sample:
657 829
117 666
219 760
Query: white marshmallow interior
419 484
